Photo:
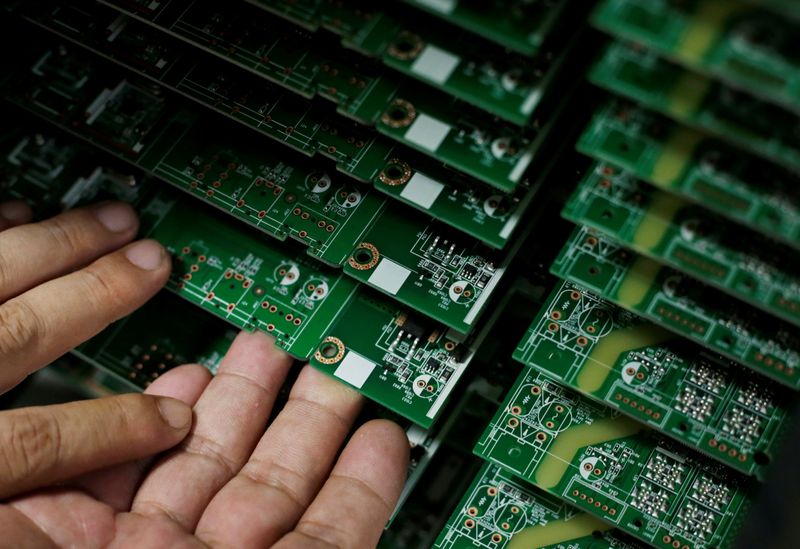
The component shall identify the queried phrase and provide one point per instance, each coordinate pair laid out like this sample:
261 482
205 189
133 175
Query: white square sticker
422 190
427 132
435 64
389 276
354 369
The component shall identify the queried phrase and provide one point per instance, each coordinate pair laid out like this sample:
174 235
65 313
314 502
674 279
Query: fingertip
389 436
15 212
378 455
148 255
256 353
261 342
186 383
75 438
384 428
256 337
175 413
117 217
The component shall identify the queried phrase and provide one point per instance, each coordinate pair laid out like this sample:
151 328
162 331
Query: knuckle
326 536
319 412
66 234
285 481
101 289
208 449
214 540
157 508
245 381
20 327
31 444
361 491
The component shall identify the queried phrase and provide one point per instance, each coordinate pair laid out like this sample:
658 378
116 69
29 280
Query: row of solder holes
759 457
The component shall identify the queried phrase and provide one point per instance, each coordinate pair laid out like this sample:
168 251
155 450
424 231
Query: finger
67 518
231 415
73 519
19 531
31 254
47 444
288 467
14 213
186 383
116 485
45 322
353 507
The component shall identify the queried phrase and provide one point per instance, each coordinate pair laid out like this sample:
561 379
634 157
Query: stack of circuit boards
352 187
365 181
661 368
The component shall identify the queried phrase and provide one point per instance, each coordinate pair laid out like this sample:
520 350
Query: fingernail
146 254
175 412
15 211
116 216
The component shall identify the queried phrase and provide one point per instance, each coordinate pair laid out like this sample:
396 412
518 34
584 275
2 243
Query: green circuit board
456 278
689 238
523 27
337 220
223 88
653 376
435 125
396 357
614 468
267 188
739 43
688 163
458 200
165 333
415 262
252 282
681 304
279 192
751 123
255 283
511 87
501 511
272 191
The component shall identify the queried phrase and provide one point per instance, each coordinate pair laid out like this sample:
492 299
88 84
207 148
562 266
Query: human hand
226 485
65 279
202 493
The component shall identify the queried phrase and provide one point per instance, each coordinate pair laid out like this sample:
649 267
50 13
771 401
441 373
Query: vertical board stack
661 368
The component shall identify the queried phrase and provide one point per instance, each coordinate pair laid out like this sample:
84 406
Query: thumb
48 444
